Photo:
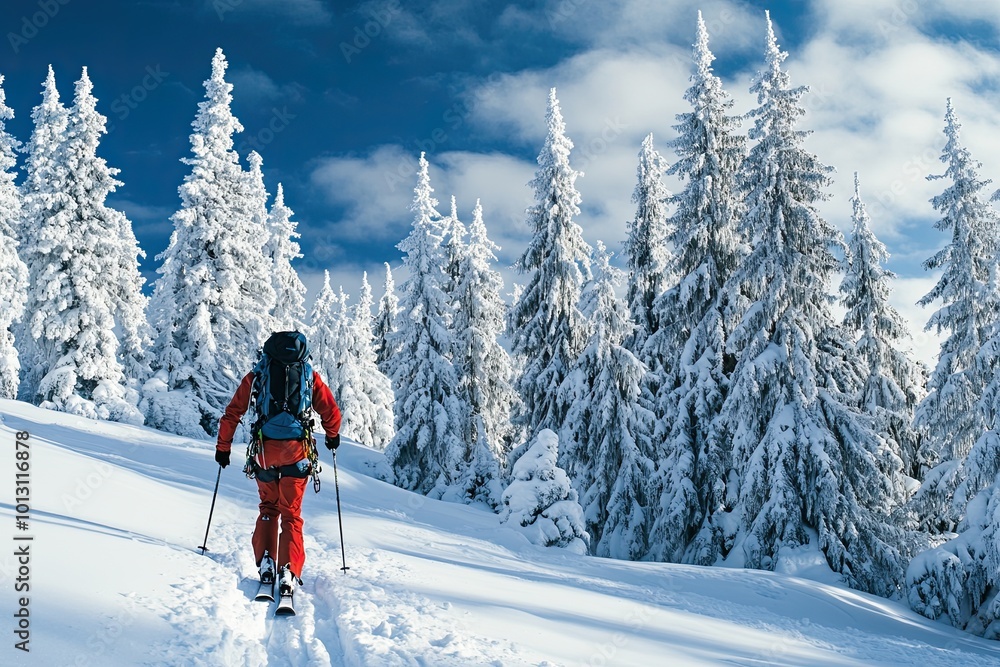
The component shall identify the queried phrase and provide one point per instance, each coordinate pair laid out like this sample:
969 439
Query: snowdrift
117 513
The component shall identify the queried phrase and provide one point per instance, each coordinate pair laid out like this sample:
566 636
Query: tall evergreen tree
338 354
454 244
696 320
86 287
290 293
606 431
45 197
647 254
426 450
324 341
212 304
806 460
484 367
960 578
13 272
548 331
367 397
968 313
385 323
893 385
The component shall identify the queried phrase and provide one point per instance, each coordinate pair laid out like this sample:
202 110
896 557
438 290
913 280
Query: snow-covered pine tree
893 387
606 431
647 254
454 245
807 464
540 502
427 448
484 366
290 293
83 267
212 304
13 272
968 313
324 339
547 330
44 197
385 323
338 356
960 579
367 398
695 316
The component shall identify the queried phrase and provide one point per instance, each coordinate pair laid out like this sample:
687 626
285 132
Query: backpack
282 388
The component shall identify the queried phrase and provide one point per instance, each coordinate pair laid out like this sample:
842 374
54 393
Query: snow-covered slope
117 514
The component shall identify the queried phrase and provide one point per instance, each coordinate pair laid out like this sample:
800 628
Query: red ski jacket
278 452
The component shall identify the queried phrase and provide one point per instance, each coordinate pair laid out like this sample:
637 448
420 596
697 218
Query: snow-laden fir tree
540 503
427 448
86 287
254 197
212 304
693 458
894 381
337 355
969 311
289 292
385 323
808 466
13 272
484 367
960 579
44 197
547 329
454 244
324 339
366 397
606 432
647 254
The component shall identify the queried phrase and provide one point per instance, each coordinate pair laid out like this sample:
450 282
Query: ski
285 606
265 592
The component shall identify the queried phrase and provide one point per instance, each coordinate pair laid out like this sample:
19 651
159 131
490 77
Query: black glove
222 458
333 443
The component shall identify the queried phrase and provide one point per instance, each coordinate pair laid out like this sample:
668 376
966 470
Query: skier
282 454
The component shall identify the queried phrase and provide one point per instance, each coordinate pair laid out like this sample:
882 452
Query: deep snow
117 514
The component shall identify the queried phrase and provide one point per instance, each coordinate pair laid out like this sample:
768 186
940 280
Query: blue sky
340 97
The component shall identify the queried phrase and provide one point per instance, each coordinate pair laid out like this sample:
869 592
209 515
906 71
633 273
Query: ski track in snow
218 622
385 623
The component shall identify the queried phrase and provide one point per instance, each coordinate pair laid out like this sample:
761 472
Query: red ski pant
282 499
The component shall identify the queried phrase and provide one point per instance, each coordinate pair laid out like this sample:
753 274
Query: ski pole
204 546
336 485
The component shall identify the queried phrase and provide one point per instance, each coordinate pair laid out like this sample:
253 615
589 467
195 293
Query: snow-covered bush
540 503
959 579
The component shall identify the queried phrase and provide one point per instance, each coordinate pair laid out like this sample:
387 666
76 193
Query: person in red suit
282 470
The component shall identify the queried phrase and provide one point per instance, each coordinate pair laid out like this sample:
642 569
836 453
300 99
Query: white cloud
255 88
376 191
